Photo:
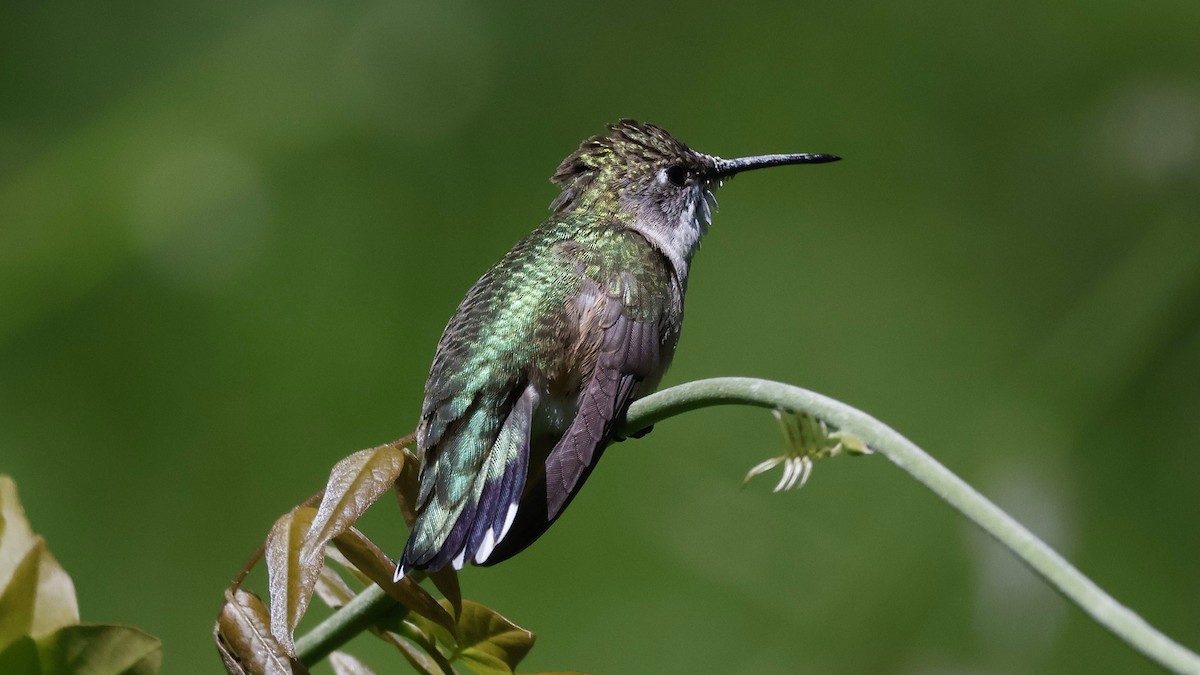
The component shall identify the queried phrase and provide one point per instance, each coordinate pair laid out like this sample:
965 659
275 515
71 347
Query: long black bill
728 167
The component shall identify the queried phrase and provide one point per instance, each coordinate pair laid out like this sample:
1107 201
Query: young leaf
354 485
290 575
36 593
407 485
15 534
40 631
426 659
345 664
100 649
446 581
485 641
243 636
333 589
366 556
336 556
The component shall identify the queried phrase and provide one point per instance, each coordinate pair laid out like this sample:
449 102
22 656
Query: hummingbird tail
452 532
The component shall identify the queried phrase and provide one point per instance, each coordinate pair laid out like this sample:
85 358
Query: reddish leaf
366 556
291 575
332 589
243 636
354 485
407 484
446 581
335 555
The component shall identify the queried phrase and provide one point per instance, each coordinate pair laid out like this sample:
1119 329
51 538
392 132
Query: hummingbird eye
677 175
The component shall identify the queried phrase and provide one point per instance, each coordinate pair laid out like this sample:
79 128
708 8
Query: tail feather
461 519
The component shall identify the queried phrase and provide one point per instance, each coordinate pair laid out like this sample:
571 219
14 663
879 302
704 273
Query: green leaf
243 636
20 656
100 650
484 640
85 648
419 649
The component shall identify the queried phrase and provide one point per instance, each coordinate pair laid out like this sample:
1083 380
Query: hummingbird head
654 183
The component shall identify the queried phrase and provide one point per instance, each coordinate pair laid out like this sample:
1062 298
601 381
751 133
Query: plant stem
1064 577
1070 582
351 619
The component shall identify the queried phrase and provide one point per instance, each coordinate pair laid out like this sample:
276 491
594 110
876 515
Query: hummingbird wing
606 323
632 343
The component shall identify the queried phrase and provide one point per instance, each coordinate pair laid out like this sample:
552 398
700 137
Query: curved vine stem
1070 582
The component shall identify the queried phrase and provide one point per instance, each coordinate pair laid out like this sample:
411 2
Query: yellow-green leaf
102 650
15 534
243 636
84 648
487 643
418 655
37 596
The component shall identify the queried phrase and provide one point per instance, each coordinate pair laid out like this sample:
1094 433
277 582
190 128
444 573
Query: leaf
355 483
291 576
39 615
372 561
407 485
422 660
21 656
85 648
446 581
345 664
335 555
295 549
243 636
15 534
37 597
484 640
333 589
100 650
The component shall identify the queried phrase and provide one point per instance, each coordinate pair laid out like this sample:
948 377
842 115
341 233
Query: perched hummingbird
534 372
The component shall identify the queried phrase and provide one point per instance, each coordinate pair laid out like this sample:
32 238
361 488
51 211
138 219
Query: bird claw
808 439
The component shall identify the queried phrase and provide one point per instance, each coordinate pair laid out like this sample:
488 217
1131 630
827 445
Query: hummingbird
535 371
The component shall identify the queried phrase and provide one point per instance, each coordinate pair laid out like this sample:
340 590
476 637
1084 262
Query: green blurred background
231 234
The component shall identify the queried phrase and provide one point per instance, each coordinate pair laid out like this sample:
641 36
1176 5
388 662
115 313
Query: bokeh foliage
230 235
